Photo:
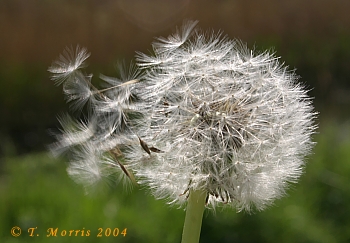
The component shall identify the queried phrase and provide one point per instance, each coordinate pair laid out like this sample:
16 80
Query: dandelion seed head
235 124
201 112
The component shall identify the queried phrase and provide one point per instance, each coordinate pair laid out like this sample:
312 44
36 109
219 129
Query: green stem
194 215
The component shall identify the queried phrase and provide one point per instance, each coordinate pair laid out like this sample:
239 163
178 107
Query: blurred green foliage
36 191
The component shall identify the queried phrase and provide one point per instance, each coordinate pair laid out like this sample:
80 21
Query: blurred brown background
311 36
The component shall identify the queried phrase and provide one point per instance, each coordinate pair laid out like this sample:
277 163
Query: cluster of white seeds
200 112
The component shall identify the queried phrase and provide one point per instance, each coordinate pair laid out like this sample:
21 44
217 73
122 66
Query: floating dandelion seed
226 125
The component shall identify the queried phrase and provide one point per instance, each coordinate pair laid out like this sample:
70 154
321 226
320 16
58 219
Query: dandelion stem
194 215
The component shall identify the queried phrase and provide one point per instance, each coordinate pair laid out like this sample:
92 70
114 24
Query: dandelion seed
155 150
68 63
144 146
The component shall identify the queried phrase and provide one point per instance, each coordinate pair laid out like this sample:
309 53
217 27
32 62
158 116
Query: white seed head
213 115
